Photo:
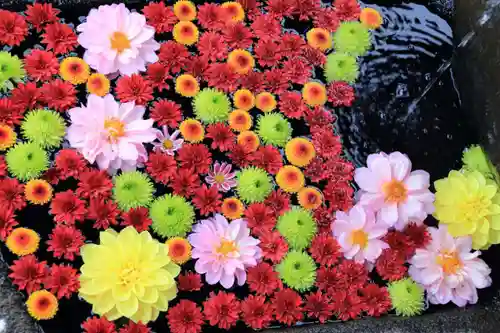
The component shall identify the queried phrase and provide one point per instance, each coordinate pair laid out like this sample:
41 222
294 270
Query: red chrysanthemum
67 208
28 273
260 218
185 317
65 241
278 201
347 10
166 113
340 93
351 275
318 306
325 250
212 46
268 52
41 14
26 96
185 182
41 65
291 45
418 235
134 88
339 195
292 105
323 218
13 28
287 306
62 281
103 212
298 70
400 242
306 9
319 119
138 218
346 305
237 36
159 16
240 156
189 281
173 55
277 80
11 194
262 279
132 327
161 167
212 17
221 76
59 95
375 300
196 157
266 28
222 136
253 81
273 246
222 309
268 158
52 176
280 8
70 163
157 75
207 199
197 66
338 169
314 56
326 280
60 38
391 265
10 114
326 18
256 312
98 325
3 167
94 184
7 222
315 170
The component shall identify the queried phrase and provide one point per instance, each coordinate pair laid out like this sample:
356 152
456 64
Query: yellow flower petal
128 307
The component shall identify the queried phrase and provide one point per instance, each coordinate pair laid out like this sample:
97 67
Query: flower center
232 206
168 144
449 261
242 61
360 238
43 303
226 247
129 274
23 239
394 191
115 128
119 41
97 83
474 207
219 178
39 190
178 250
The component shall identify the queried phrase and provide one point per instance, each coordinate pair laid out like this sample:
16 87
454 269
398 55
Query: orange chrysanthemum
290 179
244 99
179 250
319 38
314 93
300 152
310 198
186 85
74 70
240 120
23 241
42 305
232 208
185 33
7 137
98 84
265 102
235 10
192 130
185 10
38 191
241 61
249 140
371 18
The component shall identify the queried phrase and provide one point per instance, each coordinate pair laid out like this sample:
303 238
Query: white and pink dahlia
359 235
397 194
110 133
224 251
448 270
117 40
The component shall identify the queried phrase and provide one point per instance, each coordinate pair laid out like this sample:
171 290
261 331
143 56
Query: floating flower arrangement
188 159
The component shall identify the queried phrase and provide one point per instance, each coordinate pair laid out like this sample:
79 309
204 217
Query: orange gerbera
192 130
300 151
38 191
319 38
314 93
185 10
23 241
244 99
265 102
241 61
240 120
98 84
235 10
310 198
179 250
74 70
232 208
186 85
249 140
290 178
42 305
371 18
7 137
186 33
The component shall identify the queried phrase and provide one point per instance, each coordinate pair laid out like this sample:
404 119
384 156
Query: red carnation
157 75
253 81
314 56
173 55
306 9
277 80
28 273
319 119
339 195
326 18
59 95
350 276
278 201
400 242
60 38
280 8
338 169
418 235
197 66
298 70
98 325
11 194
134 88
212 46
323 218
103 212
287 306
185 182
166 113
222 309
161 167
260 218
291 45
196 157
391 265
69 163
212 16
65 241
375 300
94 184
266 28
325 250
340 94
7 222
67 208
240 156
138 218
207 199
268 158
262 279
185 317
315 170
13 28
273 246
267 52
347 10
160 17
41 14
221 76
238 36
189 281
346 305
222 136
318 305
10 114
132 327
41 65
62 281
256 312
26 96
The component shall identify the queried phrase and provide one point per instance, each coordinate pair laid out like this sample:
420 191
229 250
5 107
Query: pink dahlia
117 40
221 176
224 251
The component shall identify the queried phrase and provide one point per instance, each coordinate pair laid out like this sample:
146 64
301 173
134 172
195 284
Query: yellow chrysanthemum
232 208
42 305
240 120
23 241
185 10
129 274
249 140
469 204
38 191
371 18
185 33
314 94
186 85
290 179
7 137
300 151
179 250
319 38
241 61
235 10
98 84
74 70
310 198
265 102
244 99
192 130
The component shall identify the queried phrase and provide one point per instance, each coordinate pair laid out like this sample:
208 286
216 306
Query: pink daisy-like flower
221 176
168 142
224 251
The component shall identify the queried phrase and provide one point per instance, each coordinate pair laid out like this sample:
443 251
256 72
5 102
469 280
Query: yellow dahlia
240 120
310 198
244 99
186 33
314 93
74 70
371 18
23 241
232 208
186 85
241 61
235 10
300 151
319 38
38 191
265 102
290 179
185 10
98 84
7 137
42 305
192 130
249 140
179 250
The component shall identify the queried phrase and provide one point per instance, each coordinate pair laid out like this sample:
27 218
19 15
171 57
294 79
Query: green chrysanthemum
274 129
475 158
298 227
211 106
407 297
44 127
254 185
172 216
11 69
297 270
27 160
352 37
341 67
132 189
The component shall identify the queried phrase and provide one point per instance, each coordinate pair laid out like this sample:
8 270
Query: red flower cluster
222 309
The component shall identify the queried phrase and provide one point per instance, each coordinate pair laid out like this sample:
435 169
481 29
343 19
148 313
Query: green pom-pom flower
297 270
254 185
475 159
407 297
274 129
27 160
44 127
211 106
352 37
11 69
298 227
341 67
132 189
172 216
